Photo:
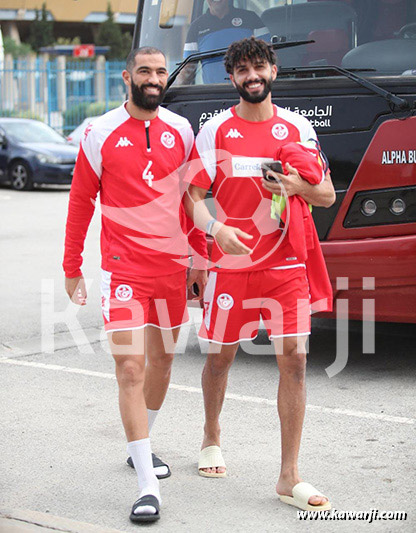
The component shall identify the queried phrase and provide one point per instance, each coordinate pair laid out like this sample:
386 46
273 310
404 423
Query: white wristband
210 223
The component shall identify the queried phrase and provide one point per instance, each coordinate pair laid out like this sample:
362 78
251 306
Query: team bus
350 67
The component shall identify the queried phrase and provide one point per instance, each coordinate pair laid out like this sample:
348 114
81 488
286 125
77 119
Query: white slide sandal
211 457
301 494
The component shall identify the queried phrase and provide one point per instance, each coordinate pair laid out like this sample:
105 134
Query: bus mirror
168 9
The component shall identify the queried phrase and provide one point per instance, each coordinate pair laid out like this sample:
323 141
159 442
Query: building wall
71 10
72 18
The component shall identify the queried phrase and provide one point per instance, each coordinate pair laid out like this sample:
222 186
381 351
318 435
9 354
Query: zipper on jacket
147 126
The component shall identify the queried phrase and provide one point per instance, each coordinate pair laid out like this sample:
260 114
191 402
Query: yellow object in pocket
278 206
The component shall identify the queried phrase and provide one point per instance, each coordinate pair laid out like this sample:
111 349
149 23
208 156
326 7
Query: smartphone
195 289
275 166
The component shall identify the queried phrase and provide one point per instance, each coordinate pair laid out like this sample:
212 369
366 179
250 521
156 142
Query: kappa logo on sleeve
87 130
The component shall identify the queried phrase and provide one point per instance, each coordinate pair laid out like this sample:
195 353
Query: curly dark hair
248 49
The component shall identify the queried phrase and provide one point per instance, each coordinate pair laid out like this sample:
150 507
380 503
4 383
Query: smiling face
253 79
147 80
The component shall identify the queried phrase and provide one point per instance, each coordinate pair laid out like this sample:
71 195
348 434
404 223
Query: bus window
220 24
340 29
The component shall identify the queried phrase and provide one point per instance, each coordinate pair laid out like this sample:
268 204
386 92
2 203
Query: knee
162 362
293 363
130 373
219 364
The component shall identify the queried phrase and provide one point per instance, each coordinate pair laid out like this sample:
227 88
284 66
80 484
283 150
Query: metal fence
59 91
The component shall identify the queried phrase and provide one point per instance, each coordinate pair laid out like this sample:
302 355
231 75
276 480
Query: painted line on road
59 368
309 407
229 396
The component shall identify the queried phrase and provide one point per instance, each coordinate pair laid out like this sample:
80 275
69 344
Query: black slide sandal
150 500
156 463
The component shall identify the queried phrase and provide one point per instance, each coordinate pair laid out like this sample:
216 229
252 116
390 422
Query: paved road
63 451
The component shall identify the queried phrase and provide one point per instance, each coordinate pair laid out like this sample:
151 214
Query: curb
17 520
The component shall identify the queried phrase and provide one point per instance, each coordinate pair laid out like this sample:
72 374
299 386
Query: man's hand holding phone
269 168
276 182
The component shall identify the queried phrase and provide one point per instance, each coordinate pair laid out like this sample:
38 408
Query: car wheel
21 176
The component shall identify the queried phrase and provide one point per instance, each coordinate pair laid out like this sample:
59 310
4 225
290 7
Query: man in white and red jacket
260 265
133 156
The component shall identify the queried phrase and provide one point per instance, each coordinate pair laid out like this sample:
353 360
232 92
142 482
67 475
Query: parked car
32 152
75 136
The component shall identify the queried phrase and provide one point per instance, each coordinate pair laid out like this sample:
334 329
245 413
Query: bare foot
217 470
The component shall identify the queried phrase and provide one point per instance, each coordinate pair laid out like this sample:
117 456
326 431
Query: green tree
16 50
68 41
110 34
127 43
41 30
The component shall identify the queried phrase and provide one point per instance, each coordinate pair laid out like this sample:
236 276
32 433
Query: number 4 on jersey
147 174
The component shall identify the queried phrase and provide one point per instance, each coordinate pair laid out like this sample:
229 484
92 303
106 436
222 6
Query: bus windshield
378 35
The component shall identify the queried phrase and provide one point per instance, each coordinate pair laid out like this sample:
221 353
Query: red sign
84 50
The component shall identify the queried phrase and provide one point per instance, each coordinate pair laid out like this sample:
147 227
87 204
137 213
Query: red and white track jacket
135 165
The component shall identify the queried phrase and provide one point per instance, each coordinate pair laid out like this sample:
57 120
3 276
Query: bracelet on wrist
209 226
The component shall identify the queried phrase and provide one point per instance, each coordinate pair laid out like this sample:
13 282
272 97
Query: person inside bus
218 28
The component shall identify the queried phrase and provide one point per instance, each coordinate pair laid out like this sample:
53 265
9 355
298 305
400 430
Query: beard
149 102
255 98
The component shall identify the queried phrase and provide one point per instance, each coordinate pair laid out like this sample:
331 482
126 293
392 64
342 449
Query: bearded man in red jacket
132 157
259 263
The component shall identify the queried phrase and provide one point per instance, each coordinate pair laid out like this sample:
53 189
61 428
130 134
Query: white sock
141 453
151 417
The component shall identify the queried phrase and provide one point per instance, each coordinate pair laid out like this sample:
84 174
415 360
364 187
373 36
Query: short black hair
250 49
146 50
